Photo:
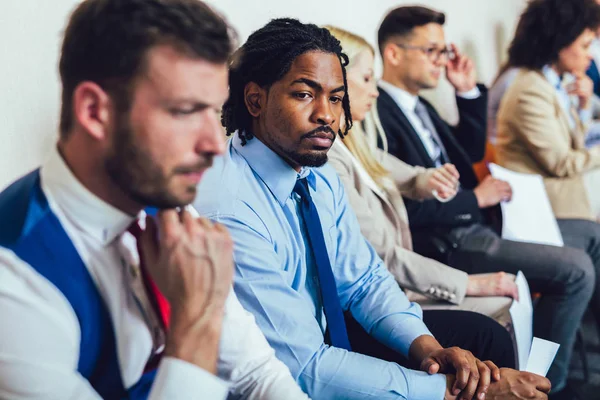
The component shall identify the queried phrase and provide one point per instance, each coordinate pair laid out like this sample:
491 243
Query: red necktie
159 302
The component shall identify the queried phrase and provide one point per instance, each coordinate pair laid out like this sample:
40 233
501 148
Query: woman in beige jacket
541 122
375 182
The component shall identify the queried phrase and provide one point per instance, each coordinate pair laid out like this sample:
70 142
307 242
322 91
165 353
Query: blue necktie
336 325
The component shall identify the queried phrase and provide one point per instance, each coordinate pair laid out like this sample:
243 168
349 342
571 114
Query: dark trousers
585 235
564 276
481 335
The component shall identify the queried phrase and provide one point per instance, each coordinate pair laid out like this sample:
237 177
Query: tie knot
420 108
301 188
135 229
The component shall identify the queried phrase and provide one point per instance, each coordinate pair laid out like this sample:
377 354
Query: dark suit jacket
465 145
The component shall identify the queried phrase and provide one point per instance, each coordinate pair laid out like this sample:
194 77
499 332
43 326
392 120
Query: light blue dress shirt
250 190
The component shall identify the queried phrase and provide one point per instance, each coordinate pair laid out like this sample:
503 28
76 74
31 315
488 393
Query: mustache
198 167
319 132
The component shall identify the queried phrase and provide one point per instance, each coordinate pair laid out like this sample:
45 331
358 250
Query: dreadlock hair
265 58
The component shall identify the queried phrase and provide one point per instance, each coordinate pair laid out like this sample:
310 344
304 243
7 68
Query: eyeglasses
432 52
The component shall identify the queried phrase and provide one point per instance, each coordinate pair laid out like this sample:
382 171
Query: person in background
593 72
375 182
539 131
571 83
460 232
301 261
592 137
97 298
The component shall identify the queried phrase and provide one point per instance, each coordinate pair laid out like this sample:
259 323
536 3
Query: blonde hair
362 142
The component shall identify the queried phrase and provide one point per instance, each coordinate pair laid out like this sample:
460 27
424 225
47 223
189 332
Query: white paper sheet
541 356
521 313
528 217
534 354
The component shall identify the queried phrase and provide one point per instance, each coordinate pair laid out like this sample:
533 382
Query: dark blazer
465 145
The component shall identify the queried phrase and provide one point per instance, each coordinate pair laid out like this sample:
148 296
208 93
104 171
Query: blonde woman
375 182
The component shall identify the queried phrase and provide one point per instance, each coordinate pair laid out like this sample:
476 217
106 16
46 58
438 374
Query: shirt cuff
422 386
405 333
471 94
585 115
177 379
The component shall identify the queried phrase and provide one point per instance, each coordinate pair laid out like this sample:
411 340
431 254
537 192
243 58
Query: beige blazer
534 137
384 223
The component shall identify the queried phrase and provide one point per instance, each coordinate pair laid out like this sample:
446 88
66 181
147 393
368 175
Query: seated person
505 78
538 132
375 196
459 232
82 316
571 83
593 72
300 259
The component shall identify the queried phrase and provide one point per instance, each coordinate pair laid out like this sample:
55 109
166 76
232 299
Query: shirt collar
552 76
80 206
273 170
405 100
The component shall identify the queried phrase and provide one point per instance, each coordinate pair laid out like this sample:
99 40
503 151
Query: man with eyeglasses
460 232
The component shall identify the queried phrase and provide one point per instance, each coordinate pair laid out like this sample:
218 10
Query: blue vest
30 229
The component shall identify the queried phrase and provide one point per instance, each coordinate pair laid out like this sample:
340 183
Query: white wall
31 32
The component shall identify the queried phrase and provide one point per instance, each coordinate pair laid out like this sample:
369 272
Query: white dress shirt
40 334
408 102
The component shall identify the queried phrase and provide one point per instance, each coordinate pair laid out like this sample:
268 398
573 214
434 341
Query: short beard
314 158
310 160
134 171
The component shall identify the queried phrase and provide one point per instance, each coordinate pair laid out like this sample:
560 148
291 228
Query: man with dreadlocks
300 258
99 300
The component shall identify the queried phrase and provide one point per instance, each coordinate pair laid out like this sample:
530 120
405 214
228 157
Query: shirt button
431 290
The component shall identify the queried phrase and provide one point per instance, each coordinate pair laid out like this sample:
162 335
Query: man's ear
392 54
91 109
254 97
